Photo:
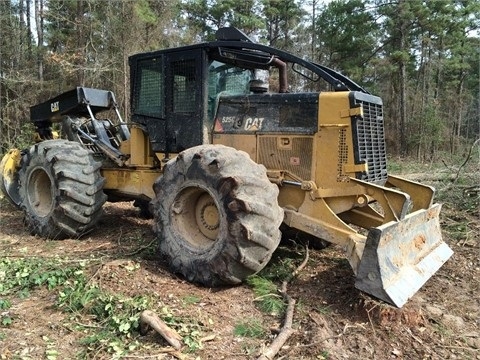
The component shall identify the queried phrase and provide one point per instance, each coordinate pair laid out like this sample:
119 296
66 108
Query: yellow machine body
399 220
324 150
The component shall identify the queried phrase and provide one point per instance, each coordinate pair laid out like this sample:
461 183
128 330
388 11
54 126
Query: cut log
148 319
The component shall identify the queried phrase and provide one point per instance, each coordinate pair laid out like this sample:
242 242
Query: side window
184 86
225 79
149 96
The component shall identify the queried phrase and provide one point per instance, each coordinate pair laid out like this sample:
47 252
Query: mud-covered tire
61 190
216 215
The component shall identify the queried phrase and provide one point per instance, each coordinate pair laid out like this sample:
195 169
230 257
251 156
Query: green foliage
251 328
118 317
324 355
267 297
347 36
426 132
5 318
394 166
455 198
51 352
282 264
283 20
208 16
5 304
264 284
144 12
21 275
457 230
189 329
190 300
324 310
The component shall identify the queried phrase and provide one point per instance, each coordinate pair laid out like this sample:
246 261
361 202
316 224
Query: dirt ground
332 319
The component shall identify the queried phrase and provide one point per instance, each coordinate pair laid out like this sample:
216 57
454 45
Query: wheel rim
207 216
39 192
196 217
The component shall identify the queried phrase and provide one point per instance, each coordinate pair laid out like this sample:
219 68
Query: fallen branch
140 249
150 319
469 155
471 191
287 330
160 353
284 334
327 338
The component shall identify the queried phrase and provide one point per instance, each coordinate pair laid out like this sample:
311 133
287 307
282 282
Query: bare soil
332 319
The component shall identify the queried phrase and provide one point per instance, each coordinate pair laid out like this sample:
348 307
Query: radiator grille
342 155
296 159
370 142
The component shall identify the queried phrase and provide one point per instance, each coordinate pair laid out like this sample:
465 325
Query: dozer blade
399 257
9 176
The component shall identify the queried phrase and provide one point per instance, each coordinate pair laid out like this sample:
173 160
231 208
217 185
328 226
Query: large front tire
216 215
61 190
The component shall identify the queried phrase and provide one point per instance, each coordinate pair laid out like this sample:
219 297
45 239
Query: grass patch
190 300
267 297
324 355
324 310
265 284
251 328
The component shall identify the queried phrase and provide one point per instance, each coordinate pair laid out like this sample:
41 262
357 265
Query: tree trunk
126 105
80 43
21 17
314 40
403 80
39 27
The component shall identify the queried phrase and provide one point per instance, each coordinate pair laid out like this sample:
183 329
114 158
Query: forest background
421 57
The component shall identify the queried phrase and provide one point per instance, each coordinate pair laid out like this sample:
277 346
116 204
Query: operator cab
175 93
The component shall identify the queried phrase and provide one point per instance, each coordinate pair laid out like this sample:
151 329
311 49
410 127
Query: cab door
185 90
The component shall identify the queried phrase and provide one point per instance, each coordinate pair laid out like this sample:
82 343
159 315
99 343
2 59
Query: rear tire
61 190
216 215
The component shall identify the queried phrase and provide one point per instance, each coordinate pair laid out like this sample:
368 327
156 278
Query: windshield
225 79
